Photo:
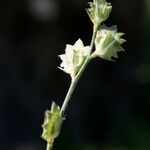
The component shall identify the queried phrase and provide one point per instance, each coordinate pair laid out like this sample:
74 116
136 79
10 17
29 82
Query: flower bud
108 42
99 11
73 58
52 123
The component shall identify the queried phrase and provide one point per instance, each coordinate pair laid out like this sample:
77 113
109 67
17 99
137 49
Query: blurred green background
110 109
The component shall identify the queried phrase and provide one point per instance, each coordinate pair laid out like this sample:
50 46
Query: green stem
49 146
75 80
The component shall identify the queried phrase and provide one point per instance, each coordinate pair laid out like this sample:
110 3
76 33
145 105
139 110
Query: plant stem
49 146
75 80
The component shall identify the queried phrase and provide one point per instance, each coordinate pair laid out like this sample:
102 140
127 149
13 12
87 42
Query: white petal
62 69
78 44
62 57
68 48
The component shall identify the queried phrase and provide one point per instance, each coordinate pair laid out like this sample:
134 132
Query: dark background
110 108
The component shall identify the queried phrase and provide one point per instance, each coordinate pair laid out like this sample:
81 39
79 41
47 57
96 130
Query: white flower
108 42
73 58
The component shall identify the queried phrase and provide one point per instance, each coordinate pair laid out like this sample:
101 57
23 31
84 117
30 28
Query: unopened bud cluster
107 41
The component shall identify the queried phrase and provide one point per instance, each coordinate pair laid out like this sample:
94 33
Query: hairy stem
77 77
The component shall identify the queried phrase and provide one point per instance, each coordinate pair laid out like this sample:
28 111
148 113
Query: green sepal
52 123
99 11
108 42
